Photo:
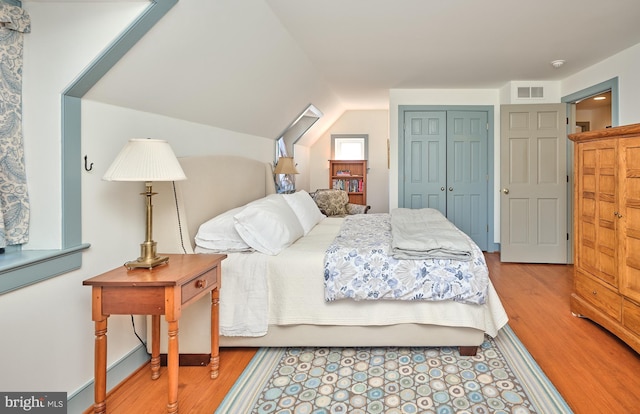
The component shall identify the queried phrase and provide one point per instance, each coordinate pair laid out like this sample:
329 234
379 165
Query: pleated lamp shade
285 165
145 159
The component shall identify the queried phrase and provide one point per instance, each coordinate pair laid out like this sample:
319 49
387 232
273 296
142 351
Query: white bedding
294 294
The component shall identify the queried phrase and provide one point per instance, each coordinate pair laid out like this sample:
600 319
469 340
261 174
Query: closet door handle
441 188
450 188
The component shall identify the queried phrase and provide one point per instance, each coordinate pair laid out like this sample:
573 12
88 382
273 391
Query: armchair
333 202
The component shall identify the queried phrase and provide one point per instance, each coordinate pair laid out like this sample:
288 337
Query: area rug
501 378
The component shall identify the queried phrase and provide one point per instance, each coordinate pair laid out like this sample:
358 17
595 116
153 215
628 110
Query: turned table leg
173 366
155 346
100 367
215 328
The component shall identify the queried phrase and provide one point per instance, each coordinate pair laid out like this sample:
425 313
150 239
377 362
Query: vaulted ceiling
252 65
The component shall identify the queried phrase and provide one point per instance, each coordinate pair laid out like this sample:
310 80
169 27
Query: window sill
26 267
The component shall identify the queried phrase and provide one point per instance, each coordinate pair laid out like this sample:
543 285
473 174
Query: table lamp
146 160
285 165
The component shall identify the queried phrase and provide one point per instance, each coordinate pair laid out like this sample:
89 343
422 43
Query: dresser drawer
606 300
203 283
631 316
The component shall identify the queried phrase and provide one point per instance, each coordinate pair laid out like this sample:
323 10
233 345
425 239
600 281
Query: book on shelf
349 185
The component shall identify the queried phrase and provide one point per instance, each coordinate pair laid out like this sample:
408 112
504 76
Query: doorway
572 101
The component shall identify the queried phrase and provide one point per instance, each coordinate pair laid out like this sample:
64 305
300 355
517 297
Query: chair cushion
332 202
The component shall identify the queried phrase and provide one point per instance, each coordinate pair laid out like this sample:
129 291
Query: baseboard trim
188 360
82 399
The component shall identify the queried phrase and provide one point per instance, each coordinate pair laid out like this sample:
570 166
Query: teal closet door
467 175
445 166
425 169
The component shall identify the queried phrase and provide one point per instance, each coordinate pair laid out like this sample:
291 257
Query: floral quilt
359 266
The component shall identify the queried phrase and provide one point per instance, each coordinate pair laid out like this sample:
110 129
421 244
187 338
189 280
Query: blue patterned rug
501 378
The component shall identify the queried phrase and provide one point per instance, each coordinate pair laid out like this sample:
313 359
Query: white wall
624 65
47 332
375 123
55 53
551 92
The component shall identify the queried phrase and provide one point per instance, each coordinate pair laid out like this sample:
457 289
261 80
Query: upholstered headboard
214 184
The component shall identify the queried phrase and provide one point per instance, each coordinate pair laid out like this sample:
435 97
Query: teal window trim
20 268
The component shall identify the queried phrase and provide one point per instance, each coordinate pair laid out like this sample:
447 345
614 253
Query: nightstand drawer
202 283
601 297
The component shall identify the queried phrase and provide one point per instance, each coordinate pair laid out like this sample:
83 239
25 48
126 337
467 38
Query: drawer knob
594 292
201 284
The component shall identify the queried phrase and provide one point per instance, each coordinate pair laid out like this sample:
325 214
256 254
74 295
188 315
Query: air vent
537 92
530 92
524 92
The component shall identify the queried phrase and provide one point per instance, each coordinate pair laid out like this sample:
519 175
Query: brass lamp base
148 258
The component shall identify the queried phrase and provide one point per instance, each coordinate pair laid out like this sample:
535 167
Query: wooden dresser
606 285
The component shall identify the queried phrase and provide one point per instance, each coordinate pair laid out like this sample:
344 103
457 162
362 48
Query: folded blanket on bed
426 234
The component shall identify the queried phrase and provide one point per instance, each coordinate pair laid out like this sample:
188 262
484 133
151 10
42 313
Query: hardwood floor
594 371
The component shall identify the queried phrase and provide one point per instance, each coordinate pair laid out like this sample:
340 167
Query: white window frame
338 139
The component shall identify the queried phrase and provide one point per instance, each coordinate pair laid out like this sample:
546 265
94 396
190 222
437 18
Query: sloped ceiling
253 65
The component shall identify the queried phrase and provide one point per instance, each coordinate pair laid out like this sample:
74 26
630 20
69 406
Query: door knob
450 188
441 188
505 190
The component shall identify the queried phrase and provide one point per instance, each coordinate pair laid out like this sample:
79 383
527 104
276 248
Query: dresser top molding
632 130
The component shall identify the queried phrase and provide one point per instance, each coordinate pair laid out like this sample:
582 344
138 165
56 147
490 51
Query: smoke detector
557 63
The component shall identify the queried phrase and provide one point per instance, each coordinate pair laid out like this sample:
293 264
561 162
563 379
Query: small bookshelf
351 176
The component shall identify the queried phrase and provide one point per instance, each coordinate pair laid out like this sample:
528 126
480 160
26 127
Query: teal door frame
571 99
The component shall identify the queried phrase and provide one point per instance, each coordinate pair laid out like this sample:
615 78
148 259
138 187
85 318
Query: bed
217 184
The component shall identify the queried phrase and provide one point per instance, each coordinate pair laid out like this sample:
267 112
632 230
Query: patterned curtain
14 200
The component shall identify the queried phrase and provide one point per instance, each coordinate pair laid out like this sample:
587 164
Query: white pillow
268 225
305 209
219 233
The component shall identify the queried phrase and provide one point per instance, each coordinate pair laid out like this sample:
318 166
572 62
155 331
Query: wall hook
90 167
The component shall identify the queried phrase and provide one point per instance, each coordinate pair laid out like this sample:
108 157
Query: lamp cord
175 198
133 324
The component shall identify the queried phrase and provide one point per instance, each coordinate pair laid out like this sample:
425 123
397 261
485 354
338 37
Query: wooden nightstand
163 290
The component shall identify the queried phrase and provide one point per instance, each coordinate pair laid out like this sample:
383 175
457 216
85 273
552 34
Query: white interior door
533 179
